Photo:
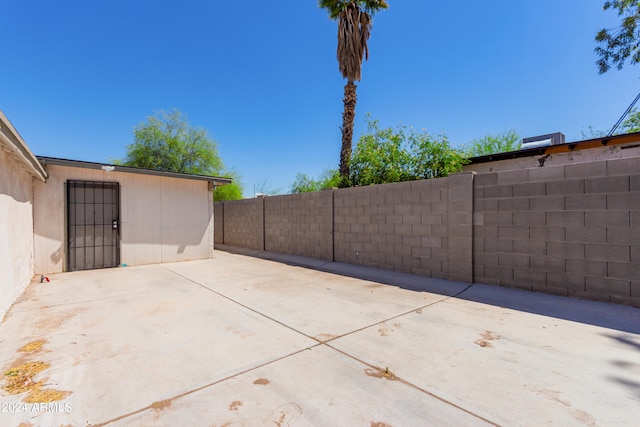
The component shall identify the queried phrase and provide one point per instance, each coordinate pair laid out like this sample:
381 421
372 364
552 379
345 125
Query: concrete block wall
409 226
218 222
401 226
460 226
242 223
300 224
570 230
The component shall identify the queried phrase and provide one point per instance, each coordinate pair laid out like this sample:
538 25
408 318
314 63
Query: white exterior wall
162 219
16 231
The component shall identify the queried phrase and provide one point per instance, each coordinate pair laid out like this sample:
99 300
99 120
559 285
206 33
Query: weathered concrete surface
16 225
237 340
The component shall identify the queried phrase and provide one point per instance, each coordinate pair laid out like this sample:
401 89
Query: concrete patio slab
512 367
118 350
322 306
316 387
243 341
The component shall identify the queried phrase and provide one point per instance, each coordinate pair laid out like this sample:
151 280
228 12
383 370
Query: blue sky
262 77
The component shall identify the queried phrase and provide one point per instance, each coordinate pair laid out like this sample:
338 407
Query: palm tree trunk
348 116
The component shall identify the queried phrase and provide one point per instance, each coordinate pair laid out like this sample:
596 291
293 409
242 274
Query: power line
623 116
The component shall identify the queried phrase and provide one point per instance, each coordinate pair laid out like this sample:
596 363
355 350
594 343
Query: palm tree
354 28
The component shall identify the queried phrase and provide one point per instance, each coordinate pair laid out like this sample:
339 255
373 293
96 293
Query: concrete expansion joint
413 310
378 372
370 369
195 390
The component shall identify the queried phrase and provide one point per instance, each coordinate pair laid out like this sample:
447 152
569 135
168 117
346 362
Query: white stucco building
61 215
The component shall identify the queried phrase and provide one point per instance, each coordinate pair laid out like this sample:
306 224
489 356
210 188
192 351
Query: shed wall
16 235
162 219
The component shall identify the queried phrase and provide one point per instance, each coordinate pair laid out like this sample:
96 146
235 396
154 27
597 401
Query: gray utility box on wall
543 140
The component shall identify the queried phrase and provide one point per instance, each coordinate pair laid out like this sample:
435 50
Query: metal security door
93 212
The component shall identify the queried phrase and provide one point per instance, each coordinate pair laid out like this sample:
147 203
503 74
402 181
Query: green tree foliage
592 133
166 142
232 191
491 144
354 29
329 178
630 125
404 154
623 42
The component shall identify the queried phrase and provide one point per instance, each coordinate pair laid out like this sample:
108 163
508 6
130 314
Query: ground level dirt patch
19 379
38 395
32 347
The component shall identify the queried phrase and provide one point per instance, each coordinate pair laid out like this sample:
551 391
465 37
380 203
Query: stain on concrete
580 415
381 373
384 332
486 339
45 396
380 424
325 337
162 308
239 333
54 322
233 406
261 381
553 395
584 417
419 311
283 415
32 347
161 405
20 377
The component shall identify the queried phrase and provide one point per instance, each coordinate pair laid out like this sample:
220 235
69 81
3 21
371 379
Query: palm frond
354 29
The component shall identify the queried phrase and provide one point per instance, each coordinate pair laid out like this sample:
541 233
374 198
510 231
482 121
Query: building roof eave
214 180
559 148
14 145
